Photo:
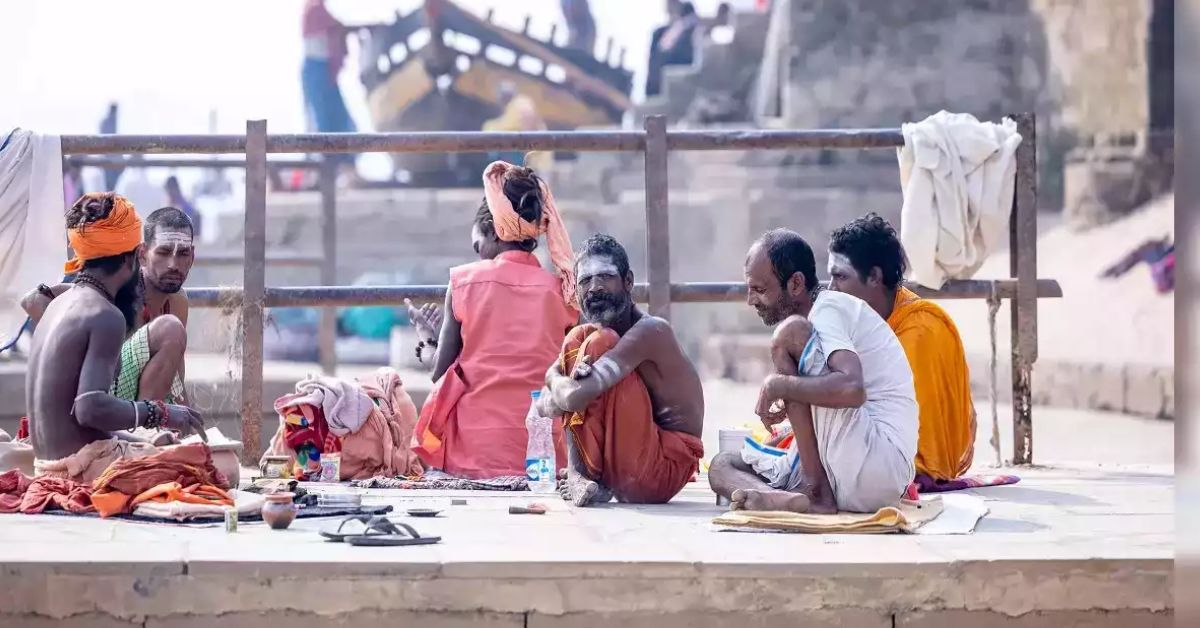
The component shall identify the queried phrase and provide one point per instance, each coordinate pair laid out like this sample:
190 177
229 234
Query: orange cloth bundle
204 494
510 227
119 232
127 479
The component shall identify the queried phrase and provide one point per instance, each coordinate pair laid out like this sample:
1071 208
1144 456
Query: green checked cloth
135 353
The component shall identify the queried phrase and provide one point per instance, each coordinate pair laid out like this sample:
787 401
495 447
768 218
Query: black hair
871 242
523 189
168 217
87 210
790 254
604 244
687 9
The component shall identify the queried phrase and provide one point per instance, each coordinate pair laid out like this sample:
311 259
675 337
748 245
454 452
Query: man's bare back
79 322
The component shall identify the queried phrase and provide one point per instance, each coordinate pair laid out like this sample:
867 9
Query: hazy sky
170 62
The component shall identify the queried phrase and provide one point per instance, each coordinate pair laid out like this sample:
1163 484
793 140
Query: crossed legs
730 477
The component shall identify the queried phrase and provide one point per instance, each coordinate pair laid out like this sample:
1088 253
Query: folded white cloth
957 175
345 405
244 502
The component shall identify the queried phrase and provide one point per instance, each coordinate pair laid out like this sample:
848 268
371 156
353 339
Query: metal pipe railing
97 161
471 141
655 141
697 292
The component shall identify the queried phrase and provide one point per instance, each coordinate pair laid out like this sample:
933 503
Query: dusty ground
1103 321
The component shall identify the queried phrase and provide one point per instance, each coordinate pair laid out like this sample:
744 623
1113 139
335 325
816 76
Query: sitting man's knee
792 333
724 462
167 332
788 341
721 465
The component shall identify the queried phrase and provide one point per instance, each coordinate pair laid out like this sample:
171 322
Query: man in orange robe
866 260
632 402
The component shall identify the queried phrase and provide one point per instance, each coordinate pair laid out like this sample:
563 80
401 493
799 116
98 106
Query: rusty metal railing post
658 218
327 332
1023 234
254 287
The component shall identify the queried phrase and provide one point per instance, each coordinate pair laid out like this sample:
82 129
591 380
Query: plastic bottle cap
535 395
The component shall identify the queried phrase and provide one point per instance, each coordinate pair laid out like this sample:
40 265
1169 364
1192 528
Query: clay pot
279 511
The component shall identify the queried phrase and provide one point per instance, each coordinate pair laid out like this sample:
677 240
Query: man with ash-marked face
867 260
842 382
152 356
632 401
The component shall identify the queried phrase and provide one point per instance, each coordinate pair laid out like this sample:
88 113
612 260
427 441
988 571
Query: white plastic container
539 454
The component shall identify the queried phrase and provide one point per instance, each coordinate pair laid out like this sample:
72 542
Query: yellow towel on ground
907 517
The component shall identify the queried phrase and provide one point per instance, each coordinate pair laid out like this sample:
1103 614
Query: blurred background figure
108 126
519 114
673 44
175 198
581 26
324 54
72 184
136 185
719 28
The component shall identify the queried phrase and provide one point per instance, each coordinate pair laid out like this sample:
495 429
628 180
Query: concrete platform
1069 546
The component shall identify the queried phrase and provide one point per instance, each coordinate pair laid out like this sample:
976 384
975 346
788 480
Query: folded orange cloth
175 492
126 479
119 232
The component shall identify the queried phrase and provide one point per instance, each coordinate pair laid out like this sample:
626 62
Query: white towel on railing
33 235
957 175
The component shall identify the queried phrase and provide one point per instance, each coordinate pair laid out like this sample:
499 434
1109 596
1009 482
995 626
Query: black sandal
382 532
337 536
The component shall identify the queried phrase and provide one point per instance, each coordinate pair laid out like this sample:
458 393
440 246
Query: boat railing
466 38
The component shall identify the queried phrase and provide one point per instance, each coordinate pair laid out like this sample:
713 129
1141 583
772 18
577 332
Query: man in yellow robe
866 260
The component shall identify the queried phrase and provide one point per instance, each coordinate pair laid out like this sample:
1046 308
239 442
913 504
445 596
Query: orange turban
510 227
119 232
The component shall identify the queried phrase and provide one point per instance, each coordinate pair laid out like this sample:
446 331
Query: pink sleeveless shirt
513 321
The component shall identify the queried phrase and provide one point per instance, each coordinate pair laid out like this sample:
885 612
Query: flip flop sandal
384 533
337 535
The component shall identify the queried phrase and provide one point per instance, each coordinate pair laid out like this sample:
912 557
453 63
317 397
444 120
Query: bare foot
751 499
775 500
581 491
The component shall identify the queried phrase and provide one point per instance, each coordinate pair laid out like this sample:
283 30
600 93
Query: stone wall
1098 54
1091 71
868 63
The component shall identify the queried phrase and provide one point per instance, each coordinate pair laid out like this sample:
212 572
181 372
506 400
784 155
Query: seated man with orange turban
77 424
632 401
866 260
152 357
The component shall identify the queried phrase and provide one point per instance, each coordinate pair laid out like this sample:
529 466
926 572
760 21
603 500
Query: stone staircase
725 68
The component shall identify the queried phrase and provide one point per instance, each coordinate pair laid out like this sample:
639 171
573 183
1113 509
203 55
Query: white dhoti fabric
33 237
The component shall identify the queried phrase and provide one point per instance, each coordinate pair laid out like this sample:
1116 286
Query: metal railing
655 141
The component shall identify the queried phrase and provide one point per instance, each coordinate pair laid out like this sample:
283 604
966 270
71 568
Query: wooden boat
441 68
